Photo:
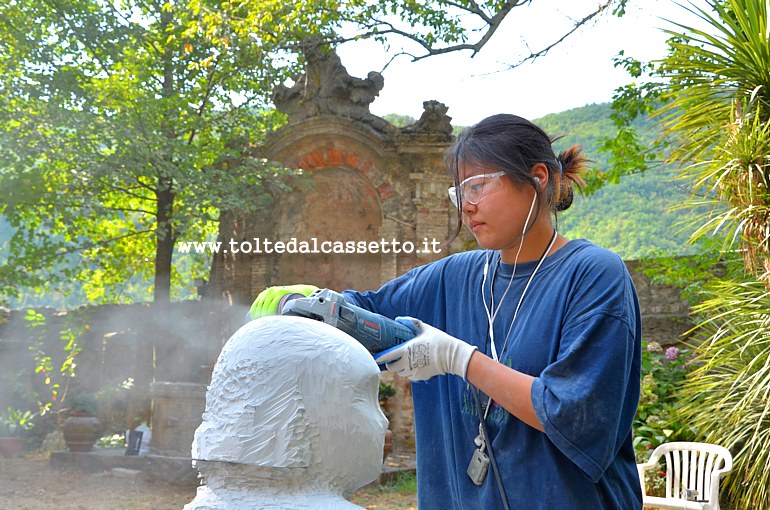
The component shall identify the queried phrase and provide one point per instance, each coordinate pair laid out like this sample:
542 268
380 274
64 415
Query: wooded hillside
633 218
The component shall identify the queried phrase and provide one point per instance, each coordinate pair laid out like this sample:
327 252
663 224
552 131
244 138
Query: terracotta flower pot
81 432
11 446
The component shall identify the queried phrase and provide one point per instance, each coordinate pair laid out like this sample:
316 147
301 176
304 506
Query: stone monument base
174 470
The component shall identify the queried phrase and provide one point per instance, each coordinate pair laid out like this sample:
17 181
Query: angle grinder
375 332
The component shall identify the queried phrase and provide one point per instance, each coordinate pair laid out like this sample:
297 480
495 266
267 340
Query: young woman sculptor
526 365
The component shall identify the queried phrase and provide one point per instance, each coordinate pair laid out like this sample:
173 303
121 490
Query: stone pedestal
177 410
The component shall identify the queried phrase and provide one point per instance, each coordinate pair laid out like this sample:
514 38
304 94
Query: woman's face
498 219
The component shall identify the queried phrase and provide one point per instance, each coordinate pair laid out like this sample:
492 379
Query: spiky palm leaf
710 69
718 115
738 176
727 397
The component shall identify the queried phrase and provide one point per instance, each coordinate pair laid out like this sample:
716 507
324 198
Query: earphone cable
518 306
521 299
491 317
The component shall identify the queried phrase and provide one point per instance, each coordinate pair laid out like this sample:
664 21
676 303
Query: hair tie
561 168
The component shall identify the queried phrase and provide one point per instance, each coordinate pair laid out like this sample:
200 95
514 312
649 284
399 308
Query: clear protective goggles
476 187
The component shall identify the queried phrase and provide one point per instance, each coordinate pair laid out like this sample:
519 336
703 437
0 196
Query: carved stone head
295 395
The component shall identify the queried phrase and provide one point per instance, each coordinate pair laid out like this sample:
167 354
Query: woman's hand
431 352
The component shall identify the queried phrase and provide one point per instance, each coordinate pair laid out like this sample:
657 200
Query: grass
398 493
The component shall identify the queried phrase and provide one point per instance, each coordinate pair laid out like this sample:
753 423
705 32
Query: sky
578 72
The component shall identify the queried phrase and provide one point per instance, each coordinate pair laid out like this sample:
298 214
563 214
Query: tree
713 104
128 125
121 133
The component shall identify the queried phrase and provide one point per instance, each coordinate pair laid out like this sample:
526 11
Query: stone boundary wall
665 314
181 342
135 344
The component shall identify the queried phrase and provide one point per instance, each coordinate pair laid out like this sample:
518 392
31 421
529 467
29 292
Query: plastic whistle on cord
375 332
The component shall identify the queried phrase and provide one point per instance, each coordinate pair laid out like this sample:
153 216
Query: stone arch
348 197
395 175
326 142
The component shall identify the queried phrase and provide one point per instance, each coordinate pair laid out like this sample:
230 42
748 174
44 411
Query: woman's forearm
509 388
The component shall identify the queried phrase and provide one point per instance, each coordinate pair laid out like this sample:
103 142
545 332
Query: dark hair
514 145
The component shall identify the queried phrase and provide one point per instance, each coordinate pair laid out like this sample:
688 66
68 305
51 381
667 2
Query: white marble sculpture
292 420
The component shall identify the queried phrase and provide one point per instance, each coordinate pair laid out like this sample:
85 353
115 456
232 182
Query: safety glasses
476 187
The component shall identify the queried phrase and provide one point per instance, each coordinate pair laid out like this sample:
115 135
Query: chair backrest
693 467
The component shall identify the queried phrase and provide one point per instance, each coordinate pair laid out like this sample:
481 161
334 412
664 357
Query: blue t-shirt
578 332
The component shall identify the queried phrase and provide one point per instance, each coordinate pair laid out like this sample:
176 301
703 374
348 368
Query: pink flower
672 353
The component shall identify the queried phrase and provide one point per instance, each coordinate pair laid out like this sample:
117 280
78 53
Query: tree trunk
165 240
164 192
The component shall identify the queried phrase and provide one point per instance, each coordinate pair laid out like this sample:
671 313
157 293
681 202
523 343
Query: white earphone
490 315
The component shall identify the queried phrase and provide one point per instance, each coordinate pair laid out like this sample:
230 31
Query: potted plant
13 425
81 429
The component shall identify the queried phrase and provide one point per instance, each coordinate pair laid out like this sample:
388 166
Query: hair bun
572 164
564 196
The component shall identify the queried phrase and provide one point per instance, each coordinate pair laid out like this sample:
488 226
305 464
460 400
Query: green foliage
718 115
386 391
636 217
82 403
691 274
710 70
15 422
55 376
726 396
399 120
657 418
710 99
715 112
586 126
111 441
404 483
130 129
636 145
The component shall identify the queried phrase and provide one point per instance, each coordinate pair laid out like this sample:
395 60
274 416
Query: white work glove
431 352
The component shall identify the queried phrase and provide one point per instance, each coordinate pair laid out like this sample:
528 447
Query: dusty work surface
30 483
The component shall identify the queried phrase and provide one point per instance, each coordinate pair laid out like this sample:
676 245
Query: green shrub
15 422
83 404
386 391
657 418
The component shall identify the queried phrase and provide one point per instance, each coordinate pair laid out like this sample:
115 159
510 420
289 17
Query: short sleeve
587 399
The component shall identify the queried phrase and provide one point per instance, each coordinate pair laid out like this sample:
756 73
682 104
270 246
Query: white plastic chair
693 471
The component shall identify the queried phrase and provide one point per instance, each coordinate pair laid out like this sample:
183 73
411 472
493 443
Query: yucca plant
717 116
738 177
